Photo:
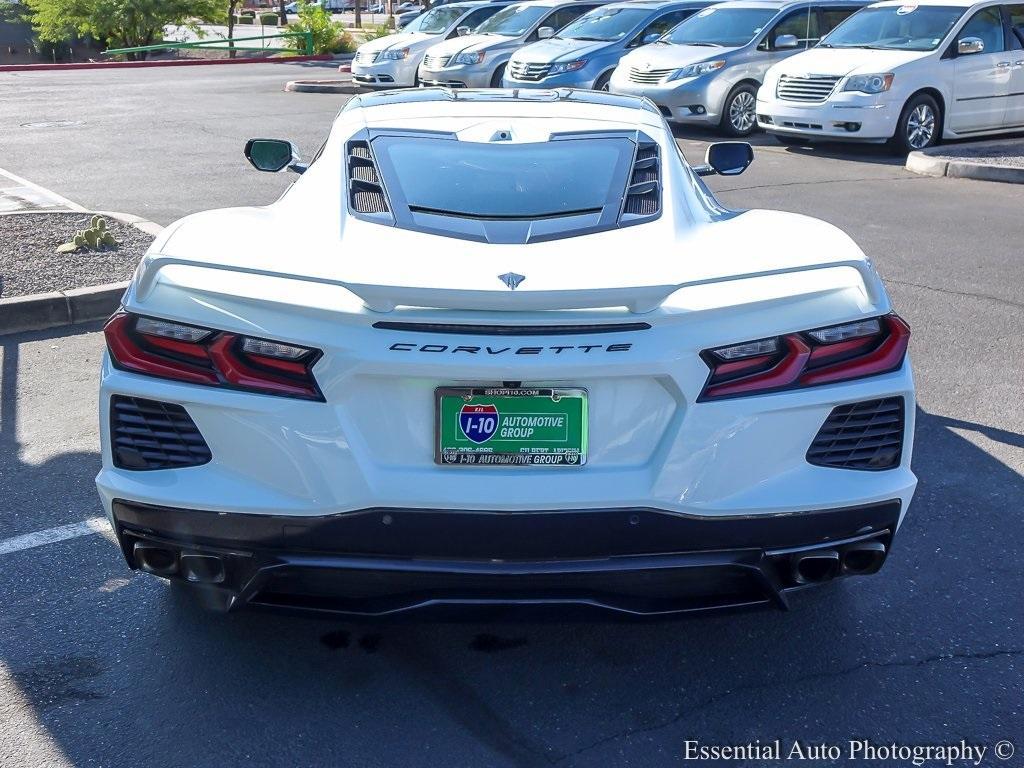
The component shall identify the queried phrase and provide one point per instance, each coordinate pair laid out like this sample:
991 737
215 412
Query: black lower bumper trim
378 562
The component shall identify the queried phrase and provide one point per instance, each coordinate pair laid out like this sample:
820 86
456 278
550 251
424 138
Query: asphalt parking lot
101 666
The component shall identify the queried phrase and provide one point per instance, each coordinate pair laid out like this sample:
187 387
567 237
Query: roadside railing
222 43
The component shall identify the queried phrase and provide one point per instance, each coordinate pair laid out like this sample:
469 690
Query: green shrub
344 44
326 32
245 20
268 19
380 30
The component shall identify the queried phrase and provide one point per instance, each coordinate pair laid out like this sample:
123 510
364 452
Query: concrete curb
40 311
928 164
168 63
323 86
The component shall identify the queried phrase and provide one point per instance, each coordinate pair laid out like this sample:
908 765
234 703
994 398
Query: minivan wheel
920 125
739 118
499 73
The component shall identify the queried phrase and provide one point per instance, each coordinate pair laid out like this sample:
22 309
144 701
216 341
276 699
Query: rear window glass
503 181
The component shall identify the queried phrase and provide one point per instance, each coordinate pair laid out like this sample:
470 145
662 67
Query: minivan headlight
567 66
693 70
869 83
395 54
476 57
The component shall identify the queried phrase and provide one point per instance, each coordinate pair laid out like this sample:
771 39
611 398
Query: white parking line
53 535
31 195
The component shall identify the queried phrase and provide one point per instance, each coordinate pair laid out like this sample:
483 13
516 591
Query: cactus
96 238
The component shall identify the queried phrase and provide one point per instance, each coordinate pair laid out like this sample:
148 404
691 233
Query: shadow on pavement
865 153
57 490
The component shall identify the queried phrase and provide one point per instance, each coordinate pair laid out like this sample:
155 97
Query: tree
117 23
232 6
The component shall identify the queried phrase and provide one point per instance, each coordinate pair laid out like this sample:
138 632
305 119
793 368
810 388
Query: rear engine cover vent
146 434
643 195
866 435
366 193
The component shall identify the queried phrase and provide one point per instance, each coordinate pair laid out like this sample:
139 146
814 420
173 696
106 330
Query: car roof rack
491 95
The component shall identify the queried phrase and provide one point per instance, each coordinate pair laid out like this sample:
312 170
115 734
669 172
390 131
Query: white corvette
503 348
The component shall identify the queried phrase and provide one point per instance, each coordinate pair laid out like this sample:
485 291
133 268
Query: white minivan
903 72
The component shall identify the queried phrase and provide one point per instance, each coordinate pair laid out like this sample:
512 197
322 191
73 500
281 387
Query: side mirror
463 31
545 32
726 158
650 38
273 155
786 41
969 45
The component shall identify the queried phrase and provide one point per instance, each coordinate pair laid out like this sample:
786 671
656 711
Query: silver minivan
707 69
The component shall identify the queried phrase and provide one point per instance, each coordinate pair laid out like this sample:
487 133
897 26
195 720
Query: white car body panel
370 444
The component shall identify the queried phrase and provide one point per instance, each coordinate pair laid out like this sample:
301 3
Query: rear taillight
820 356
215 358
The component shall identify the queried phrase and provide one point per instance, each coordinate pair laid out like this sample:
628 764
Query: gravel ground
29 262
1009 153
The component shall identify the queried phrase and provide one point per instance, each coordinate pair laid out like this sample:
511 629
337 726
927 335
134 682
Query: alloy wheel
920 126
741 112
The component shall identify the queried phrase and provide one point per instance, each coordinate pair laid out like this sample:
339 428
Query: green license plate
511 427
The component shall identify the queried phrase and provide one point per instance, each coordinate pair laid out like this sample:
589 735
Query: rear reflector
820 356
195 355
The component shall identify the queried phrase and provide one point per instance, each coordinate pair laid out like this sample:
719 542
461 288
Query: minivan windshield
605 24
438 20
513 21
902 28
721 26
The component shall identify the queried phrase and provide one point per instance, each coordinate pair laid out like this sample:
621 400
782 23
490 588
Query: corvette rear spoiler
385 298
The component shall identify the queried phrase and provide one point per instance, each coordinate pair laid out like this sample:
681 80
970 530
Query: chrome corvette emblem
511 279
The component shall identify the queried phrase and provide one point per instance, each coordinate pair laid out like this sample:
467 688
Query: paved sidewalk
18 194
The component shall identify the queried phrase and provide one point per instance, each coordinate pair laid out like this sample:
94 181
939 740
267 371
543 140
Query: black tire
791 141
919 126
739 116
602 82
496 77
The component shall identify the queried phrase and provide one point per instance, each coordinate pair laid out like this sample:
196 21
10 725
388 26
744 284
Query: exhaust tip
202 569
157 560
864 558
815 567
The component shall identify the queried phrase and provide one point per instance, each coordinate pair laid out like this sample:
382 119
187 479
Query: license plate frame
561 445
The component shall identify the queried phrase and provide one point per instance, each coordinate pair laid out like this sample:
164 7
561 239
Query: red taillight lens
821 356
215 358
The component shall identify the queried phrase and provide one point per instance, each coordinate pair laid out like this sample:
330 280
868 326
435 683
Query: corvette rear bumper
383 562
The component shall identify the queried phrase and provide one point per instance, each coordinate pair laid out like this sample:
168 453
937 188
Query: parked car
393 60
479 60
337 431
907 74
708 69
583 54
403 20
